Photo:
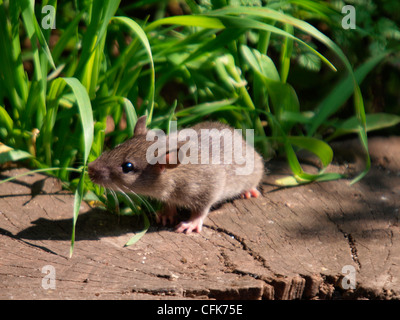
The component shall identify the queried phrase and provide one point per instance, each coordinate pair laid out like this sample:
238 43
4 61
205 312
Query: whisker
126 196
114 195
147 204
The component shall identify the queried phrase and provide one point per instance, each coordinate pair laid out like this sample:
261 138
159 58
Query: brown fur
194 186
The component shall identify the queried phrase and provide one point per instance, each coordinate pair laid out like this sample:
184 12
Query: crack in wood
244 246
349 239
353 248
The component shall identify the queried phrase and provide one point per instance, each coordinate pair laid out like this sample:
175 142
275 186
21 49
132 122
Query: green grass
213 63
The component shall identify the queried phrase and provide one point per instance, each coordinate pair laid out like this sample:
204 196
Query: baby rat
193 168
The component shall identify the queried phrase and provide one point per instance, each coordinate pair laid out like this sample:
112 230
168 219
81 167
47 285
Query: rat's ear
171 161
140 127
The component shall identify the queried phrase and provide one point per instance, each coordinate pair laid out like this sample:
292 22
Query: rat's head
126 167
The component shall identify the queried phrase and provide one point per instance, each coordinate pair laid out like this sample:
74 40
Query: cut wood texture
313 241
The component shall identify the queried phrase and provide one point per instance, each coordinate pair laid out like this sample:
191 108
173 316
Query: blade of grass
12 73
5 120
375 121
13 155
56 88
274 15
77 205
131 116
224 38
92 38
318 147
140 234
243 22
286 54
66 36
193 21
223 20
86 117
38 171
341 93
309 29
33 28
110 8
85 112
260 63
137 29
300 176
188 115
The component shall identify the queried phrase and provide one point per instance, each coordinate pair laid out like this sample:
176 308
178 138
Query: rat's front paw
194 225
167 215
164 219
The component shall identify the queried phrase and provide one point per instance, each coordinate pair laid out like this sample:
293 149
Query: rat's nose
91 169
98 174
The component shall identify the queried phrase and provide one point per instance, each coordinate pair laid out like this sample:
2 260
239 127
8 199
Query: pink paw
250 193
187 227
164 219
167 215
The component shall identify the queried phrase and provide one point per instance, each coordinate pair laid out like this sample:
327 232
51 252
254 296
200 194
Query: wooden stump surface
292 243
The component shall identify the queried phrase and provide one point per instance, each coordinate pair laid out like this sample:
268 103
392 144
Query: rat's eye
127 167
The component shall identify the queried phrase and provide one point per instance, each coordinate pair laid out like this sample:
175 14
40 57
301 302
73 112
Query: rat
217 170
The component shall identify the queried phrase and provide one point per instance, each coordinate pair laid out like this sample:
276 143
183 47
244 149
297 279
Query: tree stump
318 241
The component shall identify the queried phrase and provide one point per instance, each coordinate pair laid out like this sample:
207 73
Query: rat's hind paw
187 227
250 193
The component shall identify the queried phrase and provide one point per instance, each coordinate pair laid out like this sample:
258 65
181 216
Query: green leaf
191 20
110 8
318 147
283 97
36 171
220 41
286 54
375 121
131 116
13 155
5 120
66 36
140 234
309 61
341 93
33 28
86 117
303 178
190 114
251 23
268 13
13 79
137 29
294 163
85 112
321 149
77 205
260 63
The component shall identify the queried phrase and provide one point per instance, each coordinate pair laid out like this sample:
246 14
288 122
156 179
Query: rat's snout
98 173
